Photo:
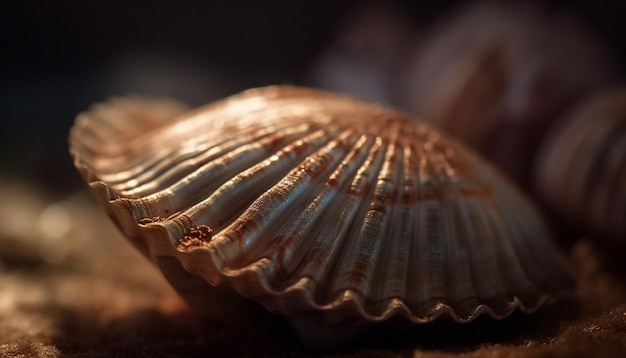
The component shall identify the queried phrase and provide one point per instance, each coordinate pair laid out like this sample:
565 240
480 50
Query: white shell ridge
325 209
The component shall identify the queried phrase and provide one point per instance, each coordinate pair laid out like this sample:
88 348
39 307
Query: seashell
496 75
366 54
336 213
581 170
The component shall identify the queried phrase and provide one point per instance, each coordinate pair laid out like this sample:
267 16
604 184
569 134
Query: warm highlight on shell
326 209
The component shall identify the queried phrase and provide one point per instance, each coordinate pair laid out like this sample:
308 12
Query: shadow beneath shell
445 335
151 332
233 328
255 327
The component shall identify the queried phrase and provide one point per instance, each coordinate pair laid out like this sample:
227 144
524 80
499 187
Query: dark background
60 56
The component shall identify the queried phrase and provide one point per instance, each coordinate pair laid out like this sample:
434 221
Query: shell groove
326 209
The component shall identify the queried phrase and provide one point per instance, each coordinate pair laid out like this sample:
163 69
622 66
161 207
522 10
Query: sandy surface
71 286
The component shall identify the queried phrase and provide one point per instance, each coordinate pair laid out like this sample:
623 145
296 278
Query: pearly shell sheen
331 211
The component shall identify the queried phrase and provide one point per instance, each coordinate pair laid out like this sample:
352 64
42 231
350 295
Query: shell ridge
199 139
260 177
129 153
460 289
555 268
284 198
309 220
98 124
509 263
390 275
370 238
233 195
344 273
197 151
593 140
538 270
612 145
430 281
331 238
486 278
457 280
582 157
192 189
242 156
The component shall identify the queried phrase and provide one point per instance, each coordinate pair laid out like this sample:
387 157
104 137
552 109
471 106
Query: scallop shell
496 74
334 212
581 170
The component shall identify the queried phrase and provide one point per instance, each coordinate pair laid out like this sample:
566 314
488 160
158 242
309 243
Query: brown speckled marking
197 236
146 221
332 182
276 141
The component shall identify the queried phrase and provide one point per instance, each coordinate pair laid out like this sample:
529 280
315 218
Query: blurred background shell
367 52
497 74
334 212
581 167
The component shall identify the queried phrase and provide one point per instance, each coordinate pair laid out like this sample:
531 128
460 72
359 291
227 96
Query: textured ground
70 286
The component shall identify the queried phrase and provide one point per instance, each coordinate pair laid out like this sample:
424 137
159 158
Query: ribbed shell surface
581 169
323 207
